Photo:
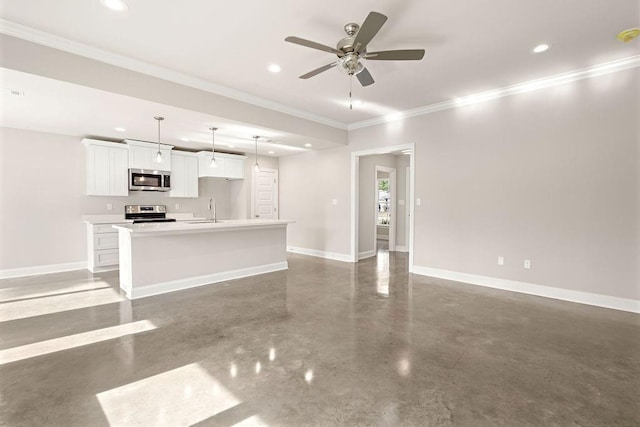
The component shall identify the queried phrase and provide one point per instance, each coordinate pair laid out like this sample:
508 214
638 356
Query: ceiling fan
352 50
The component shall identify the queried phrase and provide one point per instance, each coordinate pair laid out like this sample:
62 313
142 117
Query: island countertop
198 226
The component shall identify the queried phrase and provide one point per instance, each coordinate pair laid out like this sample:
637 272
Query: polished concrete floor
324 343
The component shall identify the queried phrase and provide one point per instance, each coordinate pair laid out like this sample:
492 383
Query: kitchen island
156 258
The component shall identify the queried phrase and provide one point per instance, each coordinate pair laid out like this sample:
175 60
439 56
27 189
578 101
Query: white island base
167 257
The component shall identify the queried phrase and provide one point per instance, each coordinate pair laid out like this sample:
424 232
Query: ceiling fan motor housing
352 63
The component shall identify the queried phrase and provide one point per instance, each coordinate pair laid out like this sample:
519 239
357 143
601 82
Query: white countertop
119 219
187 227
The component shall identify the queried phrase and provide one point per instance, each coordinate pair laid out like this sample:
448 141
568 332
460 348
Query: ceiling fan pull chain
350 88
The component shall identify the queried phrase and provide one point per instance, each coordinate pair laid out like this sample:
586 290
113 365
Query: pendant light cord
159 119
159 155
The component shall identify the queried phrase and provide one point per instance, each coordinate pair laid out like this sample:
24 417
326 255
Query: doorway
265 194
405 206
384 221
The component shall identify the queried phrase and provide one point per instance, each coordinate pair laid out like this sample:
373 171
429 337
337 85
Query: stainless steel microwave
149 180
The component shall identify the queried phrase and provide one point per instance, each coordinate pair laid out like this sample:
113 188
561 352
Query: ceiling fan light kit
352 51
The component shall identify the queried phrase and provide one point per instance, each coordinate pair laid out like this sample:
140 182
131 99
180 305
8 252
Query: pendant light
256 167
213 163
159 154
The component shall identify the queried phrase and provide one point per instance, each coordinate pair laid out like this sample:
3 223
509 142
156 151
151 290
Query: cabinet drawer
104 228
106 241
107 257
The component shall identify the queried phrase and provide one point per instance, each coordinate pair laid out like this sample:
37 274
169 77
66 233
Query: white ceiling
49 105
472 45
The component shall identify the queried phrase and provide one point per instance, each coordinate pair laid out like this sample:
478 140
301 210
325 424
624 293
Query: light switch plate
401 202
177 205
527 264
418 202
334 202
109 207
500 260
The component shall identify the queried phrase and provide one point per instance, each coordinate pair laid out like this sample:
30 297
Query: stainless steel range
147 213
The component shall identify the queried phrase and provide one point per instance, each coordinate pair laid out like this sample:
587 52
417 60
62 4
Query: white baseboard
366 254
320 254
606 301
401 248
42 269
192 282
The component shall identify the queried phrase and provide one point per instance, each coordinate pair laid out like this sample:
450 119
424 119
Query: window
384 205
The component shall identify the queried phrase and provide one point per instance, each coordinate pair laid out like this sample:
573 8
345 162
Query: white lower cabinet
102 247
107 168
184 174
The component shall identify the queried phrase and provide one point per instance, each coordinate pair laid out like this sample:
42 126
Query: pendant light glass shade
213 162
159 153
256 167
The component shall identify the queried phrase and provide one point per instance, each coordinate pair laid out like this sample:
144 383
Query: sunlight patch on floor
72 341
50 289
179 397
253 421
57 303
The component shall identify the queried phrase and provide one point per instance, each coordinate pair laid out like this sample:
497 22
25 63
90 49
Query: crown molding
40 37
529 86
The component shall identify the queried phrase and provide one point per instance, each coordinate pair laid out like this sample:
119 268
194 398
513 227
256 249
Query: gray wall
549 175
42 199
309 182
402 163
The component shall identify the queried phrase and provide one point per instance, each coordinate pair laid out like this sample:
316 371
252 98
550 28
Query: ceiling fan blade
396 55
368 30
313 45
364 77
318 70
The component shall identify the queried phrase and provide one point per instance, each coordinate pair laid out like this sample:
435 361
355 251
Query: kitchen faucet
212 204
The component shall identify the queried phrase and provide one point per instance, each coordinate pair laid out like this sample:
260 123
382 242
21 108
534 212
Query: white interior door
265 194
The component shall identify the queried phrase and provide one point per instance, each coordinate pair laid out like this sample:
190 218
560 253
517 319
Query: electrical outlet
418 202
177 205
527 264
334 202
109 207
500 260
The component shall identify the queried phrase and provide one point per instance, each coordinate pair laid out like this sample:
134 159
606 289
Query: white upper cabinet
107 168
184 174
228 166
234 167
142 155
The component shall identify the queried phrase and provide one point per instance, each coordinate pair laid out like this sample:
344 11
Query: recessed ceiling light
120 129
274 68
540 48
184 139
16 92
230 146
117 5
307 145
272 152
